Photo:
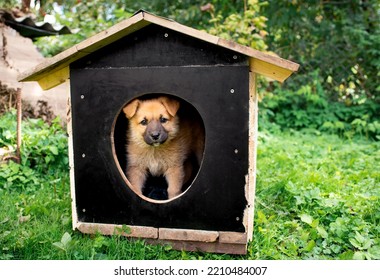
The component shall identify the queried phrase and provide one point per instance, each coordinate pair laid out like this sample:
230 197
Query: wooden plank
112 34
82 49
71 160
232 237
173 25
194 246
110 229
274 71
50 64
54 79
281 63
188 235
152 236
252 154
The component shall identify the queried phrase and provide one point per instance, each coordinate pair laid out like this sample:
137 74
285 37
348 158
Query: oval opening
158 144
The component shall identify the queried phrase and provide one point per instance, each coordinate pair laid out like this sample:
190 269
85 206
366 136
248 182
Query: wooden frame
56 70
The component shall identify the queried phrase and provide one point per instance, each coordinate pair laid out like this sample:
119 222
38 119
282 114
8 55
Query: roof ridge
283 67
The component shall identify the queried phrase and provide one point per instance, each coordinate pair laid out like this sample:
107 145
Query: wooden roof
54 71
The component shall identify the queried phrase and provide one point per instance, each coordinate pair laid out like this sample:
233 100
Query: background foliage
339 39
337 44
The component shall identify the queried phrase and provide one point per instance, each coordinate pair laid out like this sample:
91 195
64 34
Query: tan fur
168 158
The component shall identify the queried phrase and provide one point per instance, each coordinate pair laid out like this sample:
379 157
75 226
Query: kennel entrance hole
155 187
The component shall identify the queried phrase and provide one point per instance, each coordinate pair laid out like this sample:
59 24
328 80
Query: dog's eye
163 120
144 122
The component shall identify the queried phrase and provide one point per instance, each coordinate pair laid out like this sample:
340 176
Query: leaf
24 219
123 230
7 134
315 223
59 245
99 241
355 243
306 218
167 247
310 245
360 238
322 232
299 199
126 229
374 252
361 242
54 150
4 221
367 243
66 239
261 217
64 243
359 256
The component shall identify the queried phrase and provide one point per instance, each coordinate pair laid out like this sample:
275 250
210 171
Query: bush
308 108
43 152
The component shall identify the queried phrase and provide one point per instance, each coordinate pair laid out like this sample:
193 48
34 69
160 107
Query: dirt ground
8 100
18 54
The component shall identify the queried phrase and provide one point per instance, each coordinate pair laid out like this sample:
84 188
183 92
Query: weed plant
317 197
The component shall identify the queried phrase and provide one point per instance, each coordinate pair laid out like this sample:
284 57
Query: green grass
317 197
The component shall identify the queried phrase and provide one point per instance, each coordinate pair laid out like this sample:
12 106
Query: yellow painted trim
54 79
269 70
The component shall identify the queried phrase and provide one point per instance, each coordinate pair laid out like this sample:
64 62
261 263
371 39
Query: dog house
147 56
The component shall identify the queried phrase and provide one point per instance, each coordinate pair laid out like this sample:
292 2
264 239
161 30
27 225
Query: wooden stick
19 118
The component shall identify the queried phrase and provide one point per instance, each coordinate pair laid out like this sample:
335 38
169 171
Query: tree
338 39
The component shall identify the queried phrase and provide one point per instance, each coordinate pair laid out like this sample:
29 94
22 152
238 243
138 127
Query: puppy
160 143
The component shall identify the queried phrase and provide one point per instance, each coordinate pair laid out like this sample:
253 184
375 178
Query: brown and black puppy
160 143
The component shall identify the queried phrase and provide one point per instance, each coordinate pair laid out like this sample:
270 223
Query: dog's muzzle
155 134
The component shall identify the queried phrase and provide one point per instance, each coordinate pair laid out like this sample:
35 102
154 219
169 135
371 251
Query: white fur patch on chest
156 167
152 160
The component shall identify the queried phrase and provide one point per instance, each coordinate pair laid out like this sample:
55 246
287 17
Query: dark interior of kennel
157 60
156 187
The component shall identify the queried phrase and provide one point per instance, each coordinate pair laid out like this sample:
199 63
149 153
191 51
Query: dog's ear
170 104
131 108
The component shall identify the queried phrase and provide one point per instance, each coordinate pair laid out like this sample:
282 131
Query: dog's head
153 120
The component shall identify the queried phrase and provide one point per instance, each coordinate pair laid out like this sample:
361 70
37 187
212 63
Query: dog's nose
155 135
